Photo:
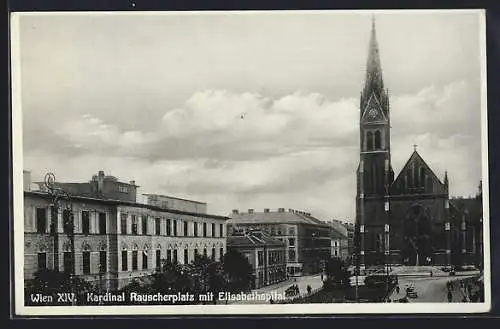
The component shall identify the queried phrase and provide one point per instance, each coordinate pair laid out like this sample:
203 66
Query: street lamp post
61 199
386 256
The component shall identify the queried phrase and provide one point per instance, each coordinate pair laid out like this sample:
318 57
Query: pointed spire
373 67
446 178
373 80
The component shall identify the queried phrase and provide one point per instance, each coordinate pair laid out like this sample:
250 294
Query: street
428 289
312 280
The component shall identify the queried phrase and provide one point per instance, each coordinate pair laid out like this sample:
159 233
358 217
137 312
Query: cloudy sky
246 110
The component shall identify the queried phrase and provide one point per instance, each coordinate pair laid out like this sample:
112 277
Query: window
158 259
42 261
144 225
134 225
175 256
68 262
41 220
123 222
221 252
195 253
260 258
422 176
124 260
185 228
144 259
378 140
205 230
175 228
213 253
134 260
291 254
86 262
186 256
221 230
67 221
195 226
103 261
122 189
169 229
369 141
157 226
213 230
205 252
85 222
102 223
169 255
291 231
291 242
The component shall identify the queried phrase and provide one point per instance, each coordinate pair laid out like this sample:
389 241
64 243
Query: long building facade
111 241
409 218
307 239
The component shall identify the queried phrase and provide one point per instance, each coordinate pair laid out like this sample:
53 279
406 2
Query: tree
336 272
237 270
51 282
173 278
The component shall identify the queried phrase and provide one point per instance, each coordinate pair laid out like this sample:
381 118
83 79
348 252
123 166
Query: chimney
266 209
235 212
101 173
132 182
27 180
250 211
281 209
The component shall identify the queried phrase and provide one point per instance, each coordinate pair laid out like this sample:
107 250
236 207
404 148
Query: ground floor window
42 261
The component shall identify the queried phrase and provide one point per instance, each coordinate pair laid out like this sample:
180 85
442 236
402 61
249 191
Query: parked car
411 292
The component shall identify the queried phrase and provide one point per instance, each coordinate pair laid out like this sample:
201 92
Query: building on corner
114 239
266 255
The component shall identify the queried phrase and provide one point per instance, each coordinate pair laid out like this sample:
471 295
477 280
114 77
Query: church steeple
374 83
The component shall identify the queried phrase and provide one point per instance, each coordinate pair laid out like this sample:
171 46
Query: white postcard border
247 309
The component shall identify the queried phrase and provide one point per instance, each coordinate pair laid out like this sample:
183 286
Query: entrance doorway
417 237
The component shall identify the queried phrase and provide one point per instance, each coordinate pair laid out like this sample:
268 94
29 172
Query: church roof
417 159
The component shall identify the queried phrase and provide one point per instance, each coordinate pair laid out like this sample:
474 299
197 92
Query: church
406 218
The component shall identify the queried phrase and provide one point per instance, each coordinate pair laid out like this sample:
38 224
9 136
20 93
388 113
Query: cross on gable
415 147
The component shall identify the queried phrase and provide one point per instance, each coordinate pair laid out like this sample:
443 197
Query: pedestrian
397 289
450 296
321 276
271 301
309 289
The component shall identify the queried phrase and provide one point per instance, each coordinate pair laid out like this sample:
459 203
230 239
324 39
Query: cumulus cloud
237 150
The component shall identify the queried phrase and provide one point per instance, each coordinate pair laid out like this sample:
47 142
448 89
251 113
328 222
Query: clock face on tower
372 113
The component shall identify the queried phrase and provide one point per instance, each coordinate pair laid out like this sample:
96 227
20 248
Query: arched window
369 141
378 140
422 176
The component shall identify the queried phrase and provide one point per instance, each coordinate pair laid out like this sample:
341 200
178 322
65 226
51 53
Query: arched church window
369 141
416 182
422 176
378 140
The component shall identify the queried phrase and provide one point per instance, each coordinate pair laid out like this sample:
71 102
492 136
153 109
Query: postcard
256 162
